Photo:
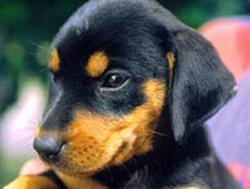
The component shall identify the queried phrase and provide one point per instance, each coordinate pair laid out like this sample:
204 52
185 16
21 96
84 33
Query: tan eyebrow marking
97 64
54 63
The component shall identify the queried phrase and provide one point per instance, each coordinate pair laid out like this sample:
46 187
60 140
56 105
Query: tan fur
170 56
97 64
95 142
36 182
54 63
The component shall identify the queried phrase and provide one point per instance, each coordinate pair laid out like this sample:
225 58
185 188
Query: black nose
48 146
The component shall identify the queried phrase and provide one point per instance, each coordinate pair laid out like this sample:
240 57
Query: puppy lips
87 160
95 142
85 155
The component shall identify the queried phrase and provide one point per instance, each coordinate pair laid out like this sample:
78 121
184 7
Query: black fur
136 35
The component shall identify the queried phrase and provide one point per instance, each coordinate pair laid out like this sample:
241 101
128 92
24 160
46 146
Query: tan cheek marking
92 141
97 64
141 122
54 63
96 141
144 118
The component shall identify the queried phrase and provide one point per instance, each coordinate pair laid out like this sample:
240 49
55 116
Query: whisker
158 133
43 47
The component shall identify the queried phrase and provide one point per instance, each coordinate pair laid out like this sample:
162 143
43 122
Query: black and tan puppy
132 87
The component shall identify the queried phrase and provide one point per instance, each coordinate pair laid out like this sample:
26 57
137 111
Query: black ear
201 84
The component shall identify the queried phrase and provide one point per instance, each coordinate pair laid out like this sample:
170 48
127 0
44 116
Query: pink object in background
19 122
241 173
230 127
231 38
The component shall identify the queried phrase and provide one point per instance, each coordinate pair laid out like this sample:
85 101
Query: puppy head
116 65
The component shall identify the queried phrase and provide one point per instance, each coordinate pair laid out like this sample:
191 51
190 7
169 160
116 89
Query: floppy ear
201 84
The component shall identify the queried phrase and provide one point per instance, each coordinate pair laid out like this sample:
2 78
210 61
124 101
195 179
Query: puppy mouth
89 160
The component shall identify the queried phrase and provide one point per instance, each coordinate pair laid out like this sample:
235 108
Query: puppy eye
114 81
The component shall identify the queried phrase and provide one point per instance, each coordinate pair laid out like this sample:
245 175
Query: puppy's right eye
114 81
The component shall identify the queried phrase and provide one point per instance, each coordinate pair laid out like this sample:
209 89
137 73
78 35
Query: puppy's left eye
114 80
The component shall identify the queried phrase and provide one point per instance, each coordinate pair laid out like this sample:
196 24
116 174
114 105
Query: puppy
132 87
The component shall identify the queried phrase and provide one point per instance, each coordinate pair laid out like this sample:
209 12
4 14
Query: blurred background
26 30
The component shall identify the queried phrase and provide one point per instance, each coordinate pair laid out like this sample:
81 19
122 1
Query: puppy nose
48 146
